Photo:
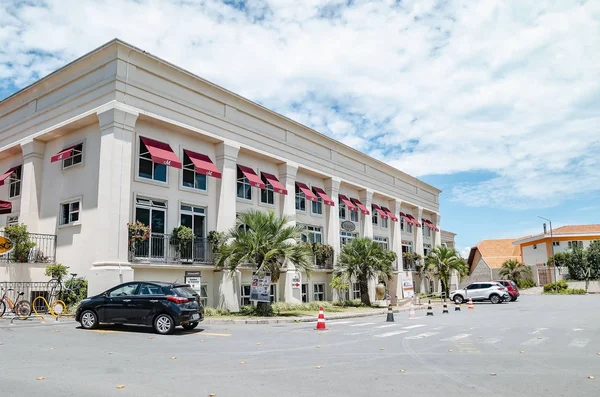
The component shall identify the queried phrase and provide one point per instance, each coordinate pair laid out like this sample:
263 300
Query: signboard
5 245
348 226
194 279
296 281
260 289
408 289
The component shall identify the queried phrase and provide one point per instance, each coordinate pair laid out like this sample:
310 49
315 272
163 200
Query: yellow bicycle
22 308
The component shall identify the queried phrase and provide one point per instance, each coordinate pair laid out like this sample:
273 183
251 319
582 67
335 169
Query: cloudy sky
495 102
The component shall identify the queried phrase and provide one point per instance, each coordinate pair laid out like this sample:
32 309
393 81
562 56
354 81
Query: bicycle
55 286
22 308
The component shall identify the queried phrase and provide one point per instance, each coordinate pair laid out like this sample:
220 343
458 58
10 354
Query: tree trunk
363 284
264 309
445 286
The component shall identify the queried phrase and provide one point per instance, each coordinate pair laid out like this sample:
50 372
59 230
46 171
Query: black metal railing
31 291
326 263
43 250
409 266
161 247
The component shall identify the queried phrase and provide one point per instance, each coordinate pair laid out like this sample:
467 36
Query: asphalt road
538 346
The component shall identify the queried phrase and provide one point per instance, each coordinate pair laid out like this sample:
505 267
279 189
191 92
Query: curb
309 319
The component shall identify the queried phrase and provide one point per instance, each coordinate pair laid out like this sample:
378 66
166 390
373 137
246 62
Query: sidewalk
308 319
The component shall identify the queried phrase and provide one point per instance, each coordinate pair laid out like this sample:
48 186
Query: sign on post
194 279
260 289
296 281
408 289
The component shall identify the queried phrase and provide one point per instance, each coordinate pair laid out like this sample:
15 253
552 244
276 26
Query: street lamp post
552 245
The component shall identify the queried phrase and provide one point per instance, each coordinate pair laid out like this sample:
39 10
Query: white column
395 286
31 184
437 238
228 290
117 131
287 176
418 231
366 197
332 220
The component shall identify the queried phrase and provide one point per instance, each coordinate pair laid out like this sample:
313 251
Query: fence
324 264
44 250
160 248
31 289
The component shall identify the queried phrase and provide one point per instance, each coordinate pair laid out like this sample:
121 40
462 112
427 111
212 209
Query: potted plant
19 236
181 239
138 232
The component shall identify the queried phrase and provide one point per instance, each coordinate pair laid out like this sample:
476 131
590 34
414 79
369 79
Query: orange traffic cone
470 307
321 320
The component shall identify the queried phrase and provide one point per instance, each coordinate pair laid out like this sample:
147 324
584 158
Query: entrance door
195 219
153 213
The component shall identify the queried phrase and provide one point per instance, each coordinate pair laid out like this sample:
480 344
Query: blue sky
497 103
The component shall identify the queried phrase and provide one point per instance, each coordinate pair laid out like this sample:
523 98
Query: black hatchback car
152 303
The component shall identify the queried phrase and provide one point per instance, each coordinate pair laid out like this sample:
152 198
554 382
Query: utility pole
552 245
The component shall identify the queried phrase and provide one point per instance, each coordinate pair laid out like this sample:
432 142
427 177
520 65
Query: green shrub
212 312
56 270
560 285
19 236
282 307
74 292
526 283
349 303
577 291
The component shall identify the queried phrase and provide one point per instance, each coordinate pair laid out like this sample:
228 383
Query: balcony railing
324 264
44 250
409 266
159 248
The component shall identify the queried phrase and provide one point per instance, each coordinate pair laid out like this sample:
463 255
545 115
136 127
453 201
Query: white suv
481 291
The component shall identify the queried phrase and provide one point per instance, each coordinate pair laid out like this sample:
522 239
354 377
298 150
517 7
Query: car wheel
190 325
495 299
513 299
164 324
88 320
458 299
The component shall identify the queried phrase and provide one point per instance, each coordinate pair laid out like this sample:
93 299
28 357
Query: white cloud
511 88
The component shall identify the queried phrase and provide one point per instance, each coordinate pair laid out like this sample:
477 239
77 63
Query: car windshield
513 284
184 291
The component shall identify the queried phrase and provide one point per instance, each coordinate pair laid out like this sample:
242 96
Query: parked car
157 304
481 291
511 287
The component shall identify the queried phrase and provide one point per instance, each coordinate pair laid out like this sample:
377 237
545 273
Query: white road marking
534 341
421 336
579 343
414 326
357 333
361 324
455 337
338 322
577 329
438 328
472 328
504 329
537 331
416 318
390 334
490 341
387 326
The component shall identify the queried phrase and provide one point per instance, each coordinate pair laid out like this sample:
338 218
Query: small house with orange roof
486 259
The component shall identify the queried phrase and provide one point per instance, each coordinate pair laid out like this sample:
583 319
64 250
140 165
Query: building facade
486 259
120 136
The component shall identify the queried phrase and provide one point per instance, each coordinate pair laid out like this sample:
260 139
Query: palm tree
515 271
364 259
441 261
266 242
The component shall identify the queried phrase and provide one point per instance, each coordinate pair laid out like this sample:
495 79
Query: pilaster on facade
396 240
226 158
366 197
31 183
287 176
117 132
332 216
437 239
419 233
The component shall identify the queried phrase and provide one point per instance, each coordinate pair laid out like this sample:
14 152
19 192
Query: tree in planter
340 285
266 243
441 261
181 240
364 259
19 236
323 253
515 271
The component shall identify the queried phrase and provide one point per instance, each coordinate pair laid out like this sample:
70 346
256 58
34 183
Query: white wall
533 256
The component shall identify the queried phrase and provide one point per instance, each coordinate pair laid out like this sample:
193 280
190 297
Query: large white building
120 135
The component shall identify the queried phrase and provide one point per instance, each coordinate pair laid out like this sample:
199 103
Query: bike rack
51 311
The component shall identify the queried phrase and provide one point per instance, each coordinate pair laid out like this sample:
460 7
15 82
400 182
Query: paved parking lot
538 346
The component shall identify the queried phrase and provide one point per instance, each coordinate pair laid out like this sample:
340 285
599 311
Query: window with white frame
12 220
244 189
304 293
204 295
267 195
384 223
346 237
374 217
319 292
313 234
76 157
317 206
300 200
556 243
147 168
382 241
355 291
342 210
245 295
407 247
426 231
69 212
15 183
573 244
191 178
273 293
426 249
405 226
354 216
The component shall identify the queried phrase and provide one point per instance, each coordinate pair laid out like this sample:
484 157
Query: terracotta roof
496 252
568 229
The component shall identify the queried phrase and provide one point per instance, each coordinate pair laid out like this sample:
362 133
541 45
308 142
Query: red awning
430 224
273 181
360 206
203 164
161 153
406 218
348 203
5 207
380 211
252 177
414 220
307 192
7 174
326 199
63 154
390 214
